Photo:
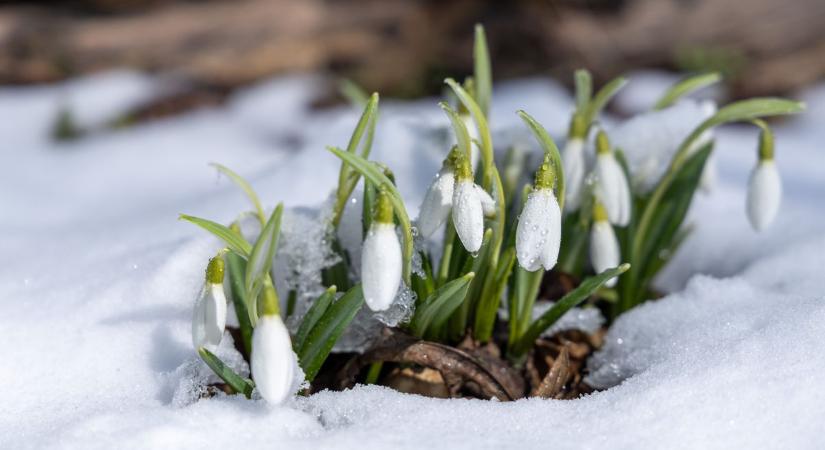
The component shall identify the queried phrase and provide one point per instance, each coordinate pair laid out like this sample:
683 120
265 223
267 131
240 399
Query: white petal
604 249
764 195
488 205
534 228
215 313
437 203
199 321
615 192
273 360
574 164
550 254
468 215
381 266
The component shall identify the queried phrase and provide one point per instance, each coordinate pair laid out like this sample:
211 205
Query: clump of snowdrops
591 215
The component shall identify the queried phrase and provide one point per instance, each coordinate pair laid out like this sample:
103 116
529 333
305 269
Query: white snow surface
99 280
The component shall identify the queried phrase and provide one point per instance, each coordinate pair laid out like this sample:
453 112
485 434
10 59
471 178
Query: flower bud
470 203
209 315
613 187
381 260
604 247
273 362
765 186
538 233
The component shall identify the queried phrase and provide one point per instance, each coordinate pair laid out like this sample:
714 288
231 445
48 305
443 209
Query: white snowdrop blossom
209 317
381 260
650 140
612 184
604 247
575 166
435 208
764 187
538 233
273 363
470 204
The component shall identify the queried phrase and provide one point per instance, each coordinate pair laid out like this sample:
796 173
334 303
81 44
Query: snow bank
99 279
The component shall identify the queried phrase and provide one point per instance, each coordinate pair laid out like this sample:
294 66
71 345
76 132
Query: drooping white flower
764 195
273 362
470 204
435 208
765 186
209 315
538 233
381 259
613 186
604 247
574 162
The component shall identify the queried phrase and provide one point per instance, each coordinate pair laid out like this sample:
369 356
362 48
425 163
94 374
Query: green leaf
235 381
236 266
377 177
483 72
346 179
573 298
584 89
246 187
321 339
685 87
235 242
550 149
337 274
353 93
605 94
461 134
439 306
316 311
260 261
493 289
483 130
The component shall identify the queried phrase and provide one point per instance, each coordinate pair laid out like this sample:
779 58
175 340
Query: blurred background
405 48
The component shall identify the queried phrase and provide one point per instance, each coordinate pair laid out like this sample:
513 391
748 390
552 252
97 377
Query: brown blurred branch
404 46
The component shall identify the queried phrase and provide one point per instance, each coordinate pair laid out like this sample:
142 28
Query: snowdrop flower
538 233
470 204
209 318
574 163
613 186
765 186
381 259
273 362
604 247
435 208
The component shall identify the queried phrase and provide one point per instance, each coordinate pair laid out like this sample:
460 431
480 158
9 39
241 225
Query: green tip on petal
545 177
578 126
602 143
215 270
383 207
599 212
463 171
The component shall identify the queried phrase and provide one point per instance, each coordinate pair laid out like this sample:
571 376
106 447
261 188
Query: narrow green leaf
353 93
235 242
584 89
236 266
483 71
235 381
573 298
377 177
483 129
488 306
245 186
367 205
461 134
260 260
316 311
605 94
321 339
550 149
685 87
439 306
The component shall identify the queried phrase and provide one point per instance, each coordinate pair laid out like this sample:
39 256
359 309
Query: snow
99 280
